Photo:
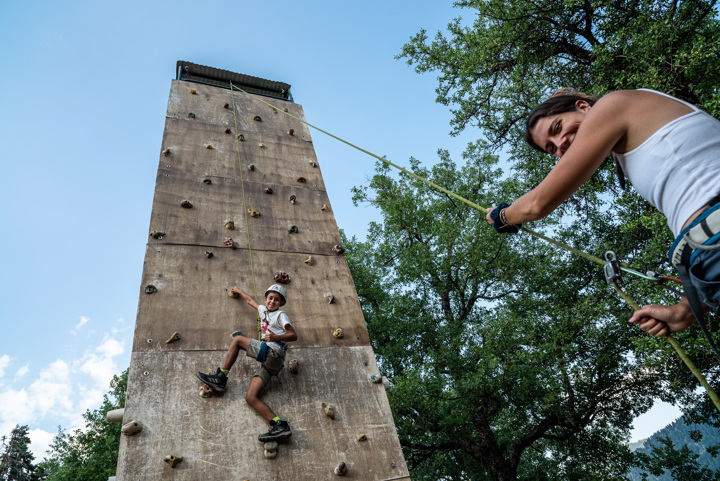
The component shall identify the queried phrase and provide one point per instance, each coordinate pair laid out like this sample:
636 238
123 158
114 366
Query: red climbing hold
282 278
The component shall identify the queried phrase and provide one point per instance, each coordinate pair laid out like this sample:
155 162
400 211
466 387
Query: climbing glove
499 225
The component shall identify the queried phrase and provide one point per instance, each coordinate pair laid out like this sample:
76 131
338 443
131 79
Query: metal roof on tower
193 72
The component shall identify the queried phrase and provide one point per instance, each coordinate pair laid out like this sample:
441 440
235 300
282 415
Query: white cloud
60 392
40 442
4 362
83 320
23 370
100 365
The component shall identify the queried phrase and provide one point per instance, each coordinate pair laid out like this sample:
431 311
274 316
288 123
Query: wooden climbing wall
217 437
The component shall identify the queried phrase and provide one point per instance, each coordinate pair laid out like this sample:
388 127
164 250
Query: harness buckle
612 268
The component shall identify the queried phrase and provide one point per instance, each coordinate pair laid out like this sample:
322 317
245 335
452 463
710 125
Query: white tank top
677 169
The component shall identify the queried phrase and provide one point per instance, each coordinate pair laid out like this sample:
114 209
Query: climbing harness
622 268
699 236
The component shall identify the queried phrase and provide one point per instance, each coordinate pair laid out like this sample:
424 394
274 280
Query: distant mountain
679 433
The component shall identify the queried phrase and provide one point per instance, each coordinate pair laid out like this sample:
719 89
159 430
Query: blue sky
83 92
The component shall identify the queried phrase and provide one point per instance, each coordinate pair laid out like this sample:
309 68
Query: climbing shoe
281 430
217 381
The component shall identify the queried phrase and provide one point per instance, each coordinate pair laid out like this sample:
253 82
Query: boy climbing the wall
270 352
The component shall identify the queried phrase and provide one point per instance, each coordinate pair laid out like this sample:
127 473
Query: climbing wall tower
232 167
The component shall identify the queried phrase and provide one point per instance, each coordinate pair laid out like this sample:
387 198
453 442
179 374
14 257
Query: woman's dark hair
560 101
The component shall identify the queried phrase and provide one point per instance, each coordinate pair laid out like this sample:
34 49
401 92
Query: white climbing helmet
279 289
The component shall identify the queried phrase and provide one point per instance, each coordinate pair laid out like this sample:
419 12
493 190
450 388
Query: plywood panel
221 201
217 437
192 297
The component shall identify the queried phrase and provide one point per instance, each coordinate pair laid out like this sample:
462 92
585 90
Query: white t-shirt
275 322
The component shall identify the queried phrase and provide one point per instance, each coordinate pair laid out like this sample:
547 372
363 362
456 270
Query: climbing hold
173 460
338 249
271 454
285 109
241 137
376 378
229 242
310 261
207 181
293 366
186 204
194 92
208 254
233 294
292 229
313 163
173 338
133 427
209 147
191 115
271 449
330 412
251 167
330 298
338 333
271 445
228 131
226 106
341 469
150 289
261 145
301 180
291 132
324 207
230 225
282 278
268 190
292 199
253 213
257 118
156 234
362 438
206 391
166 152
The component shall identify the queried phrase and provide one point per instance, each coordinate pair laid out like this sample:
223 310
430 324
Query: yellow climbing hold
324 207
173 460
253 213
156 234
194 92
261 145
233 294
310 261
330 412
301 180
175 337
209 147
362 437
338 333
230 225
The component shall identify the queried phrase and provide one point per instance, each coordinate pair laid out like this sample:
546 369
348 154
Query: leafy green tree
509 359
90 453
491 72
16 460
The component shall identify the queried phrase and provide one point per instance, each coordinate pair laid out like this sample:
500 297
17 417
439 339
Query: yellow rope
681 352
247 225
